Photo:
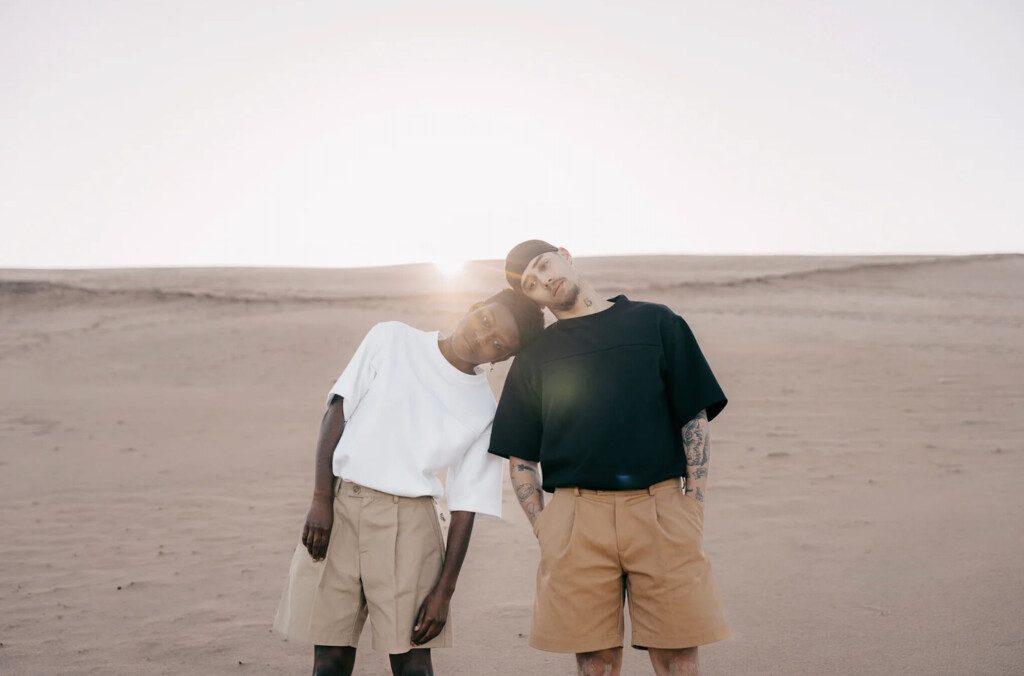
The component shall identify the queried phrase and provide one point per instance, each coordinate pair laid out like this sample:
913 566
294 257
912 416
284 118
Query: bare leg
416 662
679 662
333 660
607 662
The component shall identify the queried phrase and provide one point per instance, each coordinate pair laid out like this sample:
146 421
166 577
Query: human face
487 334
551 281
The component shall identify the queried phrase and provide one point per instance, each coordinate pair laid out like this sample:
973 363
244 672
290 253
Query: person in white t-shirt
408 405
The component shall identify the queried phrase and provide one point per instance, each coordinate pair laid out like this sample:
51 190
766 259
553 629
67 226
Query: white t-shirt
409 414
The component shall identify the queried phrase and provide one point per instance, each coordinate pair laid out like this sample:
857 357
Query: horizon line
280 266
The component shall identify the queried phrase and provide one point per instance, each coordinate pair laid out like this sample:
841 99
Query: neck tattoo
588 302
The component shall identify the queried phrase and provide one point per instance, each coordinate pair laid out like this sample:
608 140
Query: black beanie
520 256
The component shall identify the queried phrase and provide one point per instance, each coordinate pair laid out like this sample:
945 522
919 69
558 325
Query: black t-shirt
600 400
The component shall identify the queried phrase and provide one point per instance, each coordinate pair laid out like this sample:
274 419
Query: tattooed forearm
695 440
526 484
697 447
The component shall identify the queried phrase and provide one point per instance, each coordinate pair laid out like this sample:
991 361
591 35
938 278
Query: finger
318 538
311 542
418 637
307 540
430 631
425 626
419 617
435 628
325 539
417 633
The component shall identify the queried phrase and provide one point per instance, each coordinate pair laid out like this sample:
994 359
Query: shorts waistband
675 483
354 490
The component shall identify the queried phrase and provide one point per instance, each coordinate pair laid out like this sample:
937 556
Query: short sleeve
517 423
474 482
357 377
691 384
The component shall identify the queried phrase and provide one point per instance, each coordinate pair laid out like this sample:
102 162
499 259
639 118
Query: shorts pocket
434 514
555 525
695 504
540 517
680 517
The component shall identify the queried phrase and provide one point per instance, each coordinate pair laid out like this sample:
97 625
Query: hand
534 517
317 531
697 493
432 616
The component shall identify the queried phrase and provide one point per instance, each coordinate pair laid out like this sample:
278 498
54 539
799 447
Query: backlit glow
449 267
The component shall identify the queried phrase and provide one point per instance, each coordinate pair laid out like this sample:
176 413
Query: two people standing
608 408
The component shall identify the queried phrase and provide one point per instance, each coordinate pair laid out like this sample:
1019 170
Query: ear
564 253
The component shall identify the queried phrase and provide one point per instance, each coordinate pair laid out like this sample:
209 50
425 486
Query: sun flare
449 267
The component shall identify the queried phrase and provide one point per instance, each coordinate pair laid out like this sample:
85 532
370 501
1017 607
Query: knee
326 669
598 662
678 661
412 663
333 660
414 670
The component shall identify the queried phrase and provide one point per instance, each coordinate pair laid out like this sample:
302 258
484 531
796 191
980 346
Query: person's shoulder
650 309
389 331
669 323
395 327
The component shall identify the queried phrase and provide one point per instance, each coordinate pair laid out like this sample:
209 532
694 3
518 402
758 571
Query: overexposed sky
341 134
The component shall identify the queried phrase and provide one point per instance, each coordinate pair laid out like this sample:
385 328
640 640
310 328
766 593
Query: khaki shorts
598 548
384 556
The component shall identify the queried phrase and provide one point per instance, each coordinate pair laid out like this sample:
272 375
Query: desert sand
865 513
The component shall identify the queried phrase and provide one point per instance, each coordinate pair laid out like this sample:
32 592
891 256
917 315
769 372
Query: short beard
570 300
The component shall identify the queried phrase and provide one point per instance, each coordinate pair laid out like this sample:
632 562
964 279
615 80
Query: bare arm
525 476
317 531
434 610
697 446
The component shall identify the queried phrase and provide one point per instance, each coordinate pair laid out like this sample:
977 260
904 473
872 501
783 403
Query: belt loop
575 490
394 499
650 490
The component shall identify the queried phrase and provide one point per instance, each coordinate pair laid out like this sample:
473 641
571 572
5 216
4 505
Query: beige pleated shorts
384 556
600 548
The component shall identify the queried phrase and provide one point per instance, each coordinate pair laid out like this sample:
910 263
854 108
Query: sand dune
865 516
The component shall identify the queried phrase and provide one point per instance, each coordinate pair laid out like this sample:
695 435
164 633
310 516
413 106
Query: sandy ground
865 514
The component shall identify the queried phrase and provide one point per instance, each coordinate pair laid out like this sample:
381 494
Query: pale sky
347 134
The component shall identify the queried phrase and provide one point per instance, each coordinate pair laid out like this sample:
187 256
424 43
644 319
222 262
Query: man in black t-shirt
612 403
